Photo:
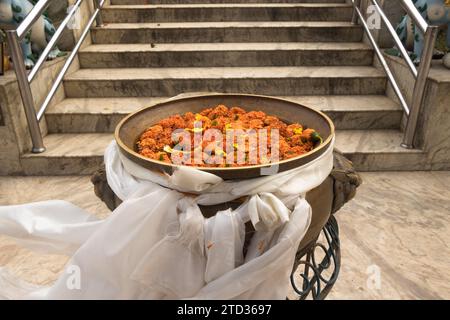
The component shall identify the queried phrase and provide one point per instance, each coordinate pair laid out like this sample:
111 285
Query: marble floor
395 235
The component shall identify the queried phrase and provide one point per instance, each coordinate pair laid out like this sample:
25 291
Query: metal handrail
420 75
24 79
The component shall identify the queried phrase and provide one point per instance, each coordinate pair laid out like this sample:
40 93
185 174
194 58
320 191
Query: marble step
82 154
226 54
101 115
141 2
206 32
278 81
228 12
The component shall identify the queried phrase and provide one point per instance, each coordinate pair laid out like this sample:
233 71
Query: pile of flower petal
158 142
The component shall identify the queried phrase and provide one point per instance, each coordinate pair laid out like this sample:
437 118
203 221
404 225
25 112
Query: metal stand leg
315 284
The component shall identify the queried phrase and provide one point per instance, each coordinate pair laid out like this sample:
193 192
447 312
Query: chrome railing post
419 88
97 6
357 4
25 91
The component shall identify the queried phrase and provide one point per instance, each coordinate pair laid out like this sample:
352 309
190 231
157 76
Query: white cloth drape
158 245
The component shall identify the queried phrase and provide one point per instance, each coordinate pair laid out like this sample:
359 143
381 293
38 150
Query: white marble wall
433 130
15 139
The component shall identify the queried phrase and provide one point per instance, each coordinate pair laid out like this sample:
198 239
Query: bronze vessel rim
122 145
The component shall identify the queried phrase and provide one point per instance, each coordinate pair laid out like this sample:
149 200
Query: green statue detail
435 12
14 12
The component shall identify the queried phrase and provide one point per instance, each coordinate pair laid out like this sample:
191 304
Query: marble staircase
305 51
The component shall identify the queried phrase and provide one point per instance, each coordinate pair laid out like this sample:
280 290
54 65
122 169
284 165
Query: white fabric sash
158 245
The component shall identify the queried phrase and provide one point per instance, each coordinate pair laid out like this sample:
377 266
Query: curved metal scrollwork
317 279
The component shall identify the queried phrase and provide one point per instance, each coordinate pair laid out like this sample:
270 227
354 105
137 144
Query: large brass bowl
130 128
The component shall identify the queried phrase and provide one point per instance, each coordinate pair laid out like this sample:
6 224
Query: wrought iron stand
317 279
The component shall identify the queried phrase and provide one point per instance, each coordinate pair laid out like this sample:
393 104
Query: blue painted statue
435 12
14 12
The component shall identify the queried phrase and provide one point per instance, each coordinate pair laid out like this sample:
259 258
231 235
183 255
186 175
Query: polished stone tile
397 227
78 190
139 82
38 268
145 55
30 266
226 12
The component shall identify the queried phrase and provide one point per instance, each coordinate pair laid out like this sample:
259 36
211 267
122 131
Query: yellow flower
194 130
168 149
197 130
219 152
264 160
